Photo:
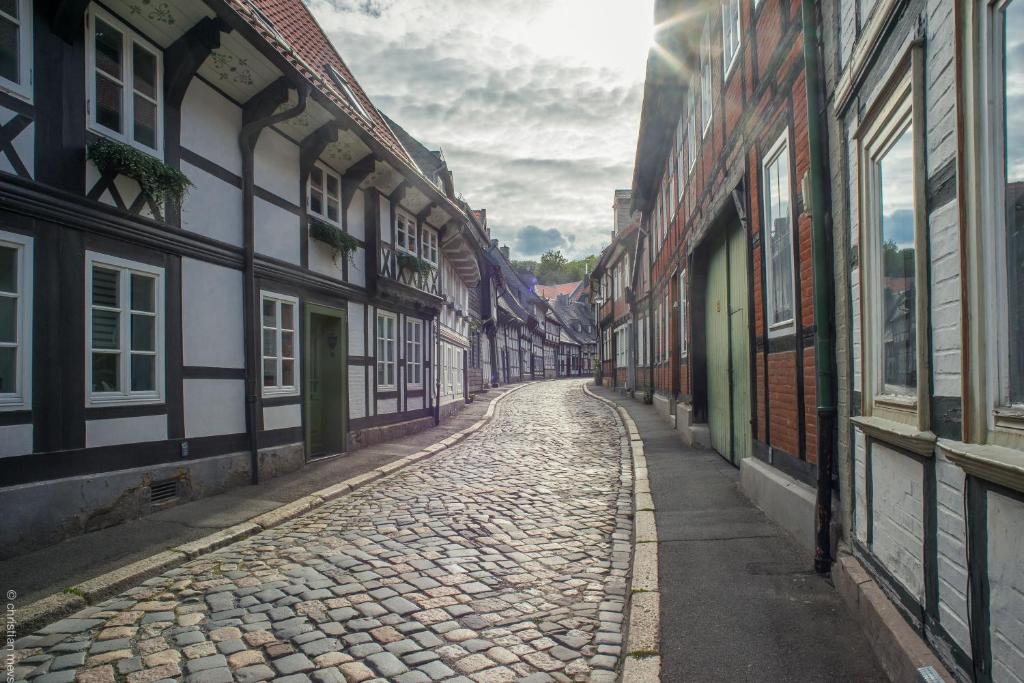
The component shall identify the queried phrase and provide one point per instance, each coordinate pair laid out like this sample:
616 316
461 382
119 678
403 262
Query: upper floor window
778 236
280 349
325 194
15 320
691 129
705 75
730 33
682 314
124 329
429 250
405 232
680 168
16 47
124 83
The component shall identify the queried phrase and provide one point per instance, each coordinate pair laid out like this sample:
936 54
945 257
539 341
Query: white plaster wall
952 550
415 403
213 207
277 165
897 490
356 391
385 219
277 232
357 268
24 145
322 260
211 311
386 406
125 430
940 91
356 333
861 520
1006 587
281 417
210 124
214 406
355 216
15 440
945 300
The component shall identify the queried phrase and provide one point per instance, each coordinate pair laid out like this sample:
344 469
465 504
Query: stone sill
898 434
998 464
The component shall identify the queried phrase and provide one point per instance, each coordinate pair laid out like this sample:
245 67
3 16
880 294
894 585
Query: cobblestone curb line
52 607
642 655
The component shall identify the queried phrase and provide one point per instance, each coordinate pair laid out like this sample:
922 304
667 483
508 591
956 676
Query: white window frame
22 88
129 37
21 397
666 328
390 364
707 105
681 171
683 349
898 106
125 269
732 38
405 225
779 151
280 389
429 245
342 84
691 130
414 352
326 171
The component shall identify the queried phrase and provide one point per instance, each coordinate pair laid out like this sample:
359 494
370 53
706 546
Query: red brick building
722 154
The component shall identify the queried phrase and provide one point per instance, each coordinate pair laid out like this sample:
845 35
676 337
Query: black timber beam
184 56
314 144
67 18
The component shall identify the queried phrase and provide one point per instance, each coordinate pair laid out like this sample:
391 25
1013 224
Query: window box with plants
159 182
343 244
420 268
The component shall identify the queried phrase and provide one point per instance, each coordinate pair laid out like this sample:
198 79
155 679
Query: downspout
247 139
824 356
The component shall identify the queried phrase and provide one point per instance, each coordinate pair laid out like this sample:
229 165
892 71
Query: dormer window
342 83
123 78
325 194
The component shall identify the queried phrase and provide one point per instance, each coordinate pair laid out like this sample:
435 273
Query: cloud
532 241
538 124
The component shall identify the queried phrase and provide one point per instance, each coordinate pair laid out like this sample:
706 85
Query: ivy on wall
340 241
157 180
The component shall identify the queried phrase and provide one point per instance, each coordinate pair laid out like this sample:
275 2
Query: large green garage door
728 355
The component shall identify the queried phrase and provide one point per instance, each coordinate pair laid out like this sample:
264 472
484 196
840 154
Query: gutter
824 323
247 139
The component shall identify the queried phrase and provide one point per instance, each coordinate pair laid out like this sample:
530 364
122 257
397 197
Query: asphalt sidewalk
54 568
740 600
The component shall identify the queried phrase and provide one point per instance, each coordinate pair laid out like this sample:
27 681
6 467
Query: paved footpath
502 558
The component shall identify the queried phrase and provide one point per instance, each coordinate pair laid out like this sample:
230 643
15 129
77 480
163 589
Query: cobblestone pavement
502 558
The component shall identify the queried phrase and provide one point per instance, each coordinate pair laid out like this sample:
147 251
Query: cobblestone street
502 558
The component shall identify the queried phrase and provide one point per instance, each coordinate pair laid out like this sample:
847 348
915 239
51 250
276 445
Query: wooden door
716 323
739 346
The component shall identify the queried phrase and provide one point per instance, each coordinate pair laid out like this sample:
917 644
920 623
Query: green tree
552 268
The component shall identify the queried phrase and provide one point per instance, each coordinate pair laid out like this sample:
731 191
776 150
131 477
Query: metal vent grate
163 491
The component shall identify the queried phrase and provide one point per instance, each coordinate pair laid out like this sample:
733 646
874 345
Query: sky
534 103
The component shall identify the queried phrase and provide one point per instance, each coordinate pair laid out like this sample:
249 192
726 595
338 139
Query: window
325 194
405 232
705 75
414 352
730 33
346 89
778 236
124 328
124 84
682 314
680 167
429 250
666 327
279 346
691 129
385 350
16 47
15 320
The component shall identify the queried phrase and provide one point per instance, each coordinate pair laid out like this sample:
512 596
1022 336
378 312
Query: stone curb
642 654
897 645
52 607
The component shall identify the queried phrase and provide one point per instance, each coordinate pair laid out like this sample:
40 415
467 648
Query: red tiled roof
310 51
552 291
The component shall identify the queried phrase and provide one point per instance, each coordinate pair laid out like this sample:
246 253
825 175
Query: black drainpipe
824 358
247 139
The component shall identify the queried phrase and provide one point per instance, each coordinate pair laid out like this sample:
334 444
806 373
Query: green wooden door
739 346
326 387
717 330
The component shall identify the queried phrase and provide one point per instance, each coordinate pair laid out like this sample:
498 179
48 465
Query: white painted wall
356 333
210 124
385 219
213 207
387 406
1006 587
15 440
356 391
214 406
123 430
897 494
277 166
281 417
355 216
211 310
277 232
322 259
952 550
945 300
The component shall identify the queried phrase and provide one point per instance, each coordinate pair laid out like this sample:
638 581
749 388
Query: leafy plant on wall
341 242
158 181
